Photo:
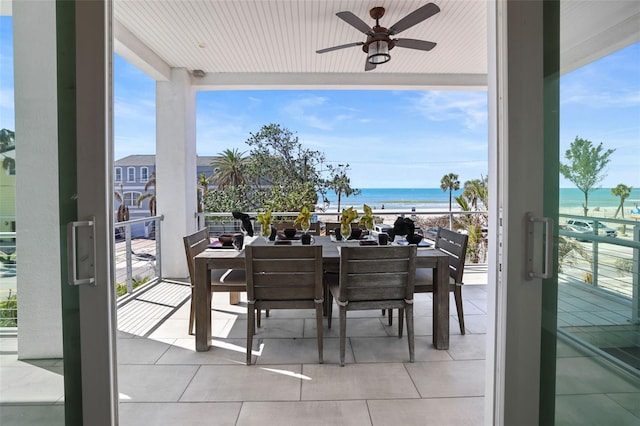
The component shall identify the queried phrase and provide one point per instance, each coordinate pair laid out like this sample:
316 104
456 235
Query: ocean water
437 199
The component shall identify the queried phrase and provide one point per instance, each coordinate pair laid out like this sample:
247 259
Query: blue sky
390 138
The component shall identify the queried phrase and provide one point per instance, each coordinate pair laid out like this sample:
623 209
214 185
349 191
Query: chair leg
457 293
400 321
192 313
329 302
266 313
250 331
410 333
258 317
384 312
327 296
390 311
319 316
343 333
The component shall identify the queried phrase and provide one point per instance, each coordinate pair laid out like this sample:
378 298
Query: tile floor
164 381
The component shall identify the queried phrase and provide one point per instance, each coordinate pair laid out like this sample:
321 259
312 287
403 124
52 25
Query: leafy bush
9 311
624 267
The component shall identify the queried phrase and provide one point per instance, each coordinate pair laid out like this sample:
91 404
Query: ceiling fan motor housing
379 34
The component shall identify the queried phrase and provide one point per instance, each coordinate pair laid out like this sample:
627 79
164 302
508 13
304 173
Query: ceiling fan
379 41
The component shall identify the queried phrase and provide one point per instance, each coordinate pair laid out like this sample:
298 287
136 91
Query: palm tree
123 211
623 191
9 164
229 168
476 191
203 188
341 184
450 183
151 183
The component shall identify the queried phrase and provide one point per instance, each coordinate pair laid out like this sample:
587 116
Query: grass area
121 288
9 311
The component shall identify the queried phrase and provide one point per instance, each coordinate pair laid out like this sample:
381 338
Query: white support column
176 167
38 230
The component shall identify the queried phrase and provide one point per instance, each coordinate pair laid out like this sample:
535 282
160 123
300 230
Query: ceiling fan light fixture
378 52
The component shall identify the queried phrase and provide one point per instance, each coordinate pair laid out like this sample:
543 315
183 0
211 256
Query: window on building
118 174
131 174
144 174
131 199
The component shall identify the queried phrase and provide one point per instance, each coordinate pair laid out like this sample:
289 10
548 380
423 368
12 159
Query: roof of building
150 161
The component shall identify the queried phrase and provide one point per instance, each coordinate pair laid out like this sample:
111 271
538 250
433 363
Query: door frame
517 185
93 146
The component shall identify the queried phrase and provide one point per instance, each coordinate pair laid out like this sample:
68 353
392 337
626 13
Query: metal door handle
87 262
547 271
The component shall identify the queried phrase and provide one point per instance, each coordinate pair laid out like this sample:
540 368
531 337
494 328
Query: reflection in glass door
596 367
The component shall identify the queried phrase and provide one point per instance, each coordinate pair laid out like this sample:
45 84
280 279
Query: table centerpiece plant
367 219
348 216
265 220
304 219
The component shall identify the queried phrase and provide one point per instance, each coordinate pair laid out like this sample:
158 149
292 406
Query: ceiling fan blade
415 17
410 43
368 66
342 46
355 22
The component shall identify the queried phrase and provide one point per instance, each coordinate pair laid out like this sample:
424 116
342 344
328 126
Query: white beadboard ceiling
274 41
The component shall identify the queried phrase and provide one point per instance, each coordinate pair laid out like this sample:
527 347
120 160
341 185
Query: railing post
128 256
635 292
594 248
158 265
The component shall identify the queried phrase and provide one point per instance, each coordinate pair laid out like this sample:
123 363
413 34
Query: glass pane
598 330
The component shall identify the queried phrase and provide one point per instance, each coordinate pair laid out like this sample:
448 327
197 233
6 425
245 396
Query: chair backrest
284 272
195 244
377 273
455 245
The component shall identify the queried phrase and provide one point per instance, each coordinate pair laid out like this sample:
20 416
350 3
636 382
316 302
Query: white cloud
298 109
468 108
579 94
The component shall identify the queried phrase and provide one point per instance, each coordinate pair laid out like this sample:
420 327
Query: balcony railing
137 260
8 292
608 265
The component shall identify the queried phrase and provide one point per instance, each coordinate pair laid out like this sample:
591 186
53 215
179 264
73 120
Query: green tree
151 196
585 167
450 183
229 168
623 191
340 183
282 175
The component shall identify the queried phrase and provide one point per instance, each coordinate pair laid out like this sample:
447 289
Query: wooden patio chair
374 278
231 280
455 245
284 277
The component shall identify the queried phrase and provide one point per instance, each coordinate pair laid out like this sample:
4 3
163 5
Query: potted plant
366 219
348 216
265 220
304 219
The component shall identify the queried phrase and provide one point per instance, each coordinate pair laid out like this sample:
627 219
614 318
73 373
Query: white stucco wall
176 168
38 239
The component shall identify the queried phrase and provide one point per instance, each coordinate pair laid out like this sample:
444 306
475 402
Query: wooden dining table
226 258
